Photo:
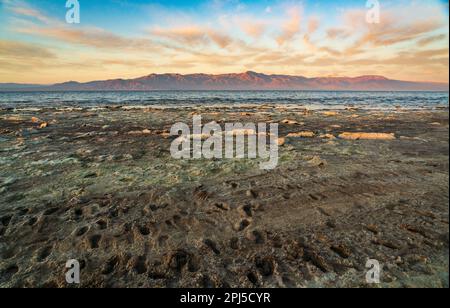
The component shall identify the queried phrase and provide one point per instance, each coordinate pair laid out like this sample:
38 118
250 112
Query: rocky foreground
100 186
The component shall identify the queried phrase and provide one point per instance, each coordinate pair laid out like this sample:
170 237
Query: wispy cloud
291 26
432 39
19 50
193 35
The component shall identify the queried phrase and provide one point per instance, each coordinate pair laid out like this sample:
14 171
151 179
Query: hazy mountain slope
245 81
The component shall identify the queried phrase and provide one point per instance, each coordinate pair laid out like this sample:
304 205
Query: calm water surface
308 99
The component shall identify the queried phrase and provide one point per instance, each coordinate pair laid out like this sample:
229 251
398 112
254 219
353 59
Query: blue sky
125 38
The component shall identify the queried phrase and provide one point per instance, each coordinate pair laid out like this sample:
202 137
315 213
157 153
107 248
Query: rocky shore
99 185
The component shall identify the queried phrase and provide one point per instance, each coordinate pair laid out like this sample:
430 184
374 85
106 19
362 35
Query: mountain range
244 81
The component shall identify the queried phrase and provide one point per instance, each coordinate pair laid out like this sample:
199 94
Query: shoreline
225 106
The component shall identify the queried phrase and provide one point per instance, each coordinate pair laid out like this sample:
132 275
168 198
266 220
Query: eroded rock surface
83 187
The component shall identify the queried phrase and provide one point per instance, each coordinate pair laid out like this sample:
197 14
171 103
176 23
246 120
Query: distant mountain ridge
244 81
15 86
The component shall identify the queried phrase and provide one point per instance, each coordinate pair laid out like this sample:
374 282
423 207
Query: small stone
317 260
327 136
342 251
316 161
290 122
372 228
281 141
252 193
223 206
304 134
135 132
367 136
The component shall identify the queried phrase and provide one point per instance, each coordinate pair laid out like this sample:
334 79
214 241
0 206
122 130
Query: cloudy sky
126 39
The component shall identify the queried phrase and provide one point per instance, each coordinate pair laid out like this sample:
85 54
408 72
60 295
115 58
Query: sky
128 39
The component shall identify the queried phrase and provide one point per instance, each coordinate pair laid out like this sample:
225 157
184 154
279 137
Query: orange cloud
429 40
338 33
29 12
396 27
313 25
254 29
19 50
291 27
90 37
193 35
